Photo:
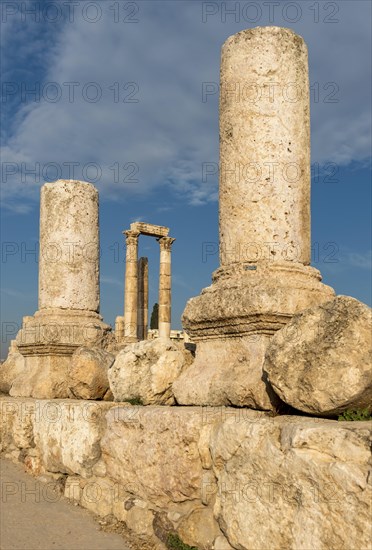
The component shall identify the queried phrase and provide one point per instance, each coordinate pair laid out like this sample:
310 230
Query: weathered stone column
264 148
68 288
264 277
165 284
131 286
69 246
143 298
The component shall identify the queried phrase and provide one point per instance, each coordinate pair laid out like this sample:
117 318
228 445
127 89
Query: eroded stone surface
12 367
16 424
61 435
227 372
43 377
219 477
232 321
199 528
69 246
295 485
264 147
151 432
146 371
88 373
68 435
321 362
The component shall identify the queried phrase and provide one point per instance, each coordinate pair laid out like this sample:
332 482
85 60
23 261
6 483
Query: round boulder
87 374
321 361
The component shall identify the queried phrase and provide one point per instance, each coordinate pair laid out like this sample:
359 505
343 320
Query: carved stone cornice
47 349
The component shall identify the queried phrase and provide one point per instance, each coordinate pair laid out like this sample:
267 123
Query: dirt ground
34 518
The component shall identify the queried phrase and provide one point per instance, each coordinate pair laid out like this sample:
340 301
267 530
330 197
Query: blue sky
119 101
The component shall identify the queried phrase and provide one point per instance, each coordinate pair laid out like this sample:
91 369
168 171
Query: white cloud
163 139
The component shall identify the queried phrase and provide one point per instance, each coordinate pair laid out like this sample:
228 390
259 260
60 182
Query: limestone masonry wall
220 477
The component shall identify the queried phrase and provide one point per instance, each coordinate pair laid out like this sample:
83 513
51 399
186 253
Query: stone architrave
264 276
68 315
150 229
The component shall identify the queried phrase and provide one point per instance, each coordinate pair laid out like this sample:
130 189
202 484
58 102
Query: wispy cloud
347 260
17 207
111 281
179 281
361 260
13 293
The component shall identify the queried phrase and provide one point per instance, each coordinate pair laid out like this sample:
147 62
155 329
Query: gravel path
30 520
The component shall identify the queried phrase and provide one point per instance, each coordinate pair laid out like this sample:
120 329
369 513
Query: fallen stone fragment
145 371
321 362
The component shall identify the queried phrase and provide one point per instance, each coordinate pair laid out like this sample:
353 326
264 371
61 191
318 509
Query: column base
61 330
47 341
231 323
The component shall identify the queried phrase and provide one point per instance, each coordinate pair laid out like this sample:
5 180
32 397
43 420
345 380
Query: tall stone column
143 298
264 148
69 246
264 276
131 286
165 284
68 315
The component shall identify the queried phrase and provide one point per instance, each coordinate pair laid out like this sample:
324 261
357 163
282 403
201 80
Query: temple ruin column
69 246
264 276
264 148
68 315
131 286
165 284
133 325
143 298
